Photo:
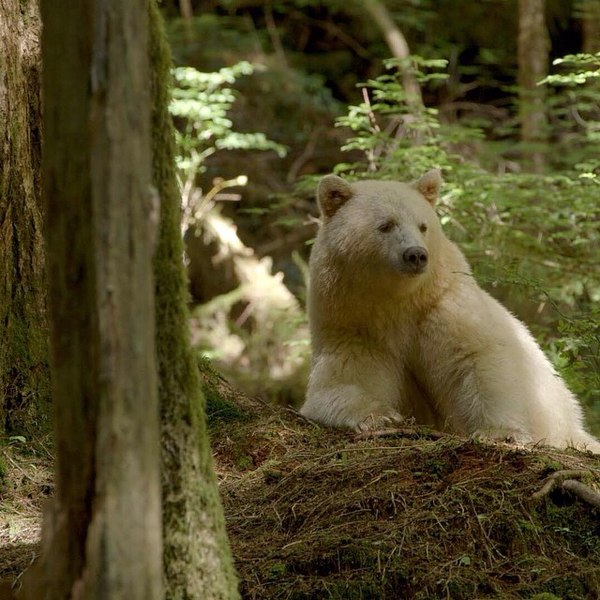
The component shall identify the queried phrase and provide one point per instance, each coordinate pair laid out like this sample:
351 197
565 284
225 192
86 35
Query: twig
400 432
371 114
337 32
371 155
18 467
305 156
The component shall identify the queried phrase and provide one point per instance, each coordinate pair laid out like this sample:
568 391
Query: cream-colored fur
393 338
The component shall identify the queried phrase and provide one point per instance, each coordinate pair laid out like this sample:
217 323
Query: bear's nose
416 257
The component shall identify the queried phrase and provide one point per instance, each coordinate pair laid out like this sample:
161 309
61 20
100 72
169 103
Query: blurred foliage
249 321
203 101
575 111
200 105
287 103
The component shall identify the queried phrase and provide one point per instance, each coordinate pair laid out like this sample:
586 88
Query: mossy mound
315 513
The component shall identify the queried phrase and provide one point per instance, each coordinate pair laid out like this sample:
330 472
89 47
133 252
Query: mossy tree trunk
197 558
24 372
102 536
533 49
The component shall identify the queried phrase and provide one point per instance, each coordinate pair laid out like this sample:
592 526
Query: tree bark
102 536
197 558
533 48
24 371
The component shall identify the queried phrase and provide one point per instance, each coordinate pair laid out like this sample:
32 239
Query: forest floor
26 483
314 513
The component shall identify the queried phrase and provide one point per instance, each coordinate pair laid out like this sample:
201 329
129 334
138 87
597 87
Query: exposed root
567 481
584 492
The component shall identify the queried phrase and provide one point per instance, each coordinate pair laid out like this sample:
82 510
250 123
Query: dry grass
26 484
315 513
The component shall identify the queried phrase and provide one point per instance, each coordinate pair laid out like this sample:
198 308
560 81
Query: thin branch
306 154
274 35
371 155
337 32
372 117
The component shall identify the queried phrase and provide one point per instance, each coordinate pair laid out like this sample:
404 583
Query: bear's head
381 226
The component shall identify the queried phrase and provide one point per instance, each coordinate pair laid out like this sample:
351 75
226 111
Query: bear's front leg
473 395
355 390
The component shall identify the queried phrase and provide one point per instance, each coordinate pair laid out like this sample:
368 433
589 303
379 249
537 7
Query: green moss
526 526
553 465
24 370
344 590
244 462
439 467
570 587
220 410
191 504
26 378
277 570
3 470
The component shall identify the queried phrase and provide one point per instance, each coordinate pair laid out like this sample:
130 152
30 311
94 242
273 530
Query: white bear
401 329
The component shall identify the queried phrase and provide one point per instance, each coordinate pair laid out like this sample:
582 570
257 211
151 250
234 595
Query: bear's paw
374 422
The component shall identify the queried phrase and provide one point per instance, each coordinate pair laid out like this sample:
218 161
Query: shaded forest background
271 95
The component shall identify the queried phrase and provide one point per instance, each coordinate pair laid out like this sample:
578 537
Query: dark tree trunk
197 558
590 21
24 373
102 536
534 46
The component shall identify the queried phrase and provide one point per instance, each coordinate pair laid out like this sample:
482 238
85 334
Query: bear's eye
387 226
422 228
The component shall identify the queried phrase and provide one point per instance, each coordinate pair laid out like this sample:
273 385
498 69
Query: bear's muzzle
415 259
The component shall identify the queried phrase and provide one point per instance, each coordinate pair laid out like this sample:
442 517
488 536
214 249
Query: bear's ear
332 193
429 185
